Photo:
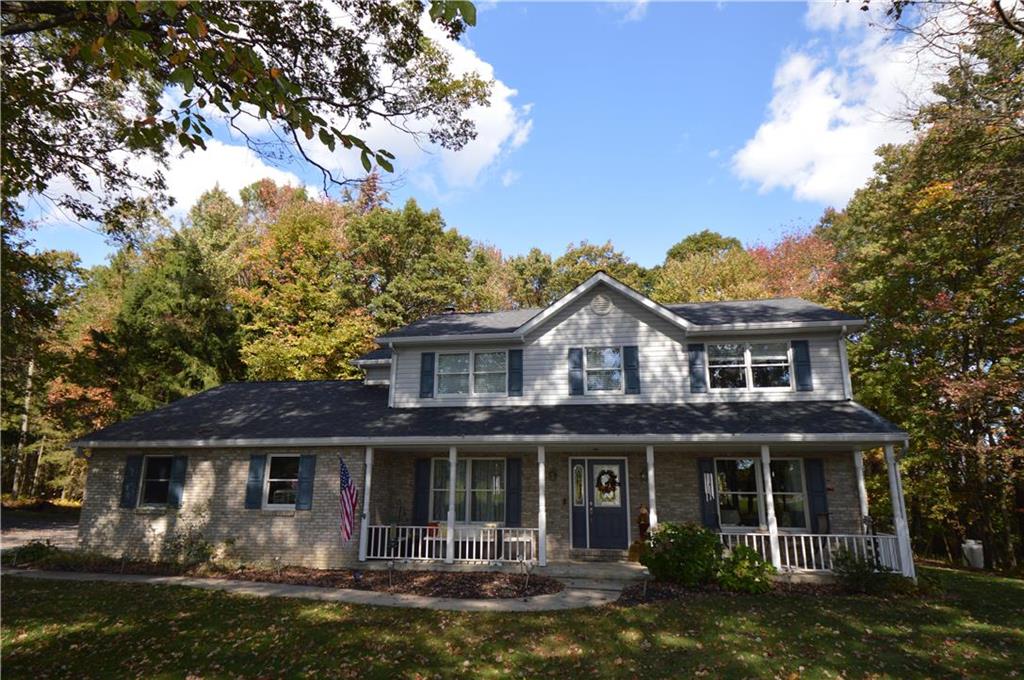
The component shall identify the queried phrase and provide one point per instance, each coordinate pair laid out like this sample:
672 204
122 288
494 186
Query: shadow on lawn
98 629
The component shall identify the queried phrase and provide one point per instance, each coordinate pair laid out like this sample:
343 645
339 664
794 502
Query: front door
603 519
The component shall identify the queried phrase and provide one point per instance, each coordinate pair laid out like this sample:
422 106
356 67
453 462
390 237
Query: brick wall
214 495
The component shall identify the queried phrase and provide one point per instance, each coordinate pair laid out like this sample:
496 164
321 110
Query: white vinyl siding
664 372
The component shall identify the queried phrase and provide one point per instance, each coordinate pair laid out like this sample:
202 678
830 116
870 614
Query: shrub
745 571
858 574
32 553
682 553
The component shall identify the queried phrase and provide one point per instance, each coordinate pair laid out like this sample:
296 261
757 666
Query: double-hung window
466 373
156 480
281 486
479 490
603 368
490 372
741 497
742 366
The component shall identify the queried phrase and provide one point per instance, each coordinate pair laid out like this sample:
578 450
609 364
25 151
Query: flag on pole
349 501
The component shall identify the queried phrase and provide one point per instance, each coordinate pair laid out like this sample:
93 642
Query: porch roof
341 412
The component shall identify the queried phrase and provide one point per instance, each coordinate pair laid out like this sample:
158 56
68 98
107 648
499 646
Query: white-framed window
741 497
602 369
460 374
281 482
490 372
480 485
156 481
453 374
750 365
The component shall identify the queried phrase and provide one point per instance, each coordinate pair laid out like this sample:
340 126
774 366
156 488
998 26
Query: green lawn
975 628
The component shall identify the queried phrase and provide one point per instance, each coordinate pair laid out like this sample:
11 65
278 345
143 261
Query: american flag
349 501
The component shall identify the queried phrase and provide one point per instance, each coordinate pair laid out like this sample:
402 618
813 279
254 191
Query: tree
406 263
931 253
531 278
800 264
706 276
579 263
300 306
703 242
84 85
490 282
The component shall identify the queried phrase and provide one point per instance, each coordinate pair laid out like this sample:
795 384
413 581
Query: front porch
567 504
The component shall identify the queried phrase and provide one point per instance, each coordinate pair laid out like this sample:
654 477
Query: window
479 489
282 485
741 500
156 480
453 374
740 366
578 482
490 372
603 367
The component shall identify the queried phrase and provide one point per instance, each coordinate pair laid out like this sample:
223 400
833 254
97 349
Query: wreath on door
607 482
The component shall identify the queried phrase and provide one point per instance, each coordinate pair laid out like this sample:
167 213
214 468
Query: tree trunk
37 478
19 449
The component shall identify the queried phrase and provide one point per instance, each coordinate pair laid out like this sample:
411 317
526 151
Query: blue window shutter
514 492
631 364
698 379
307 473
421 493
177 486
802 366
515 373
130 482
426 375
254 484
575 370
817 495
707 490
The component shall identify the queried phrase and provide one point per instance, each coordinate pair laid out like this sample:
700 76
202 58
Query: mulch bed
463 585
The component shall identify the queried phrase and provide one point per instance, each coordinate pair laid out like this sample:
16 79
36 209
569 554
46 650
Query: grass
973 628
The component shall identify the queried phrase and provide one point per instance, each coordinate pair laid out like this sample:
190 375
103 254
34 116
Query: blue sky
638 123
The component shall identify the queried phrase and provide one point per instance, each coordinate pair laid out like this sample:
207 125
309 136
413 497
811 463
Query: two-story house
536 434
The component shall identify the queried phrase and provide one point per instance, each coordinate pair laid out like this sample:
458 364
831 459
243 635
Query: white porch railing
471 543
816 552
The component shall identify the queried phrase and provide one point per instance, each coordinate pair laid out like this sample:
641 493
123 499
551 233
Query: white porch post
449 552
653 507
542 510
862 490
899 514
769 506
364 521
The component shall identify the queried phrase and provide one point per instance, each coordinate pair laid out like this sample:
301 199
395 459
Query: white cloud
714 153
230 166
510 177
637 11
832 107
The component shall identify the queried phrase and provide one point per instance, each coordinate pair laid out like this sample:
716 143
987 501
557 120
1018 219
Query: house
561 430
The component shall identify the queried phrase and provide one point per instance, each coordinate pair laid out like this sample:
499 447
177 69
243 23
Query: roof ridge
718 302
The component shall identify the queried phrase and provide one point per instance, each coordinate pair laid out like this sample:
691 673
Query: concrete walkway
578 593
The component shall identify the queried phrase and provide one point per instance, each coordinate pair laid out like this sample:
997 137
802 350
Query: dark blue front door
607 503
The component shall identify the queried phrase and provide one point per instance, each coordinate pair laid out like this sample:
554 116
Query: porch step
598 555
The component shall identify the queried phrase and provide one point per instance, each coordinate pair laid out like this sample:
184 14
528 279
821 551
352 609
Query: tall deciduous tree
932 255
800 264
84 83
580 262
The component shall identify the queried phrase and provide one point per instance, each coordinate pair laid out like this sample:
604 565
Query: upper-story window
467 373
603 367
757 365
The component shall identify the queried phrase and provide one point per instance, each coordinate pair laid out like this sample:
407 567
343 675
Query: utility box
974 553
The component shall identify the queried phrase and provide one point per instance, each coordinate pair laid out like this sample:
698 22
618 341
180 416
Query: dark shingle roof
698 313
757 311
462 323
314 409
375 355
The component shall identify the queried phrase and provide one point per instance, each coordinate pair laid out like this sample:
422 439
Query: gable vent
601 304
